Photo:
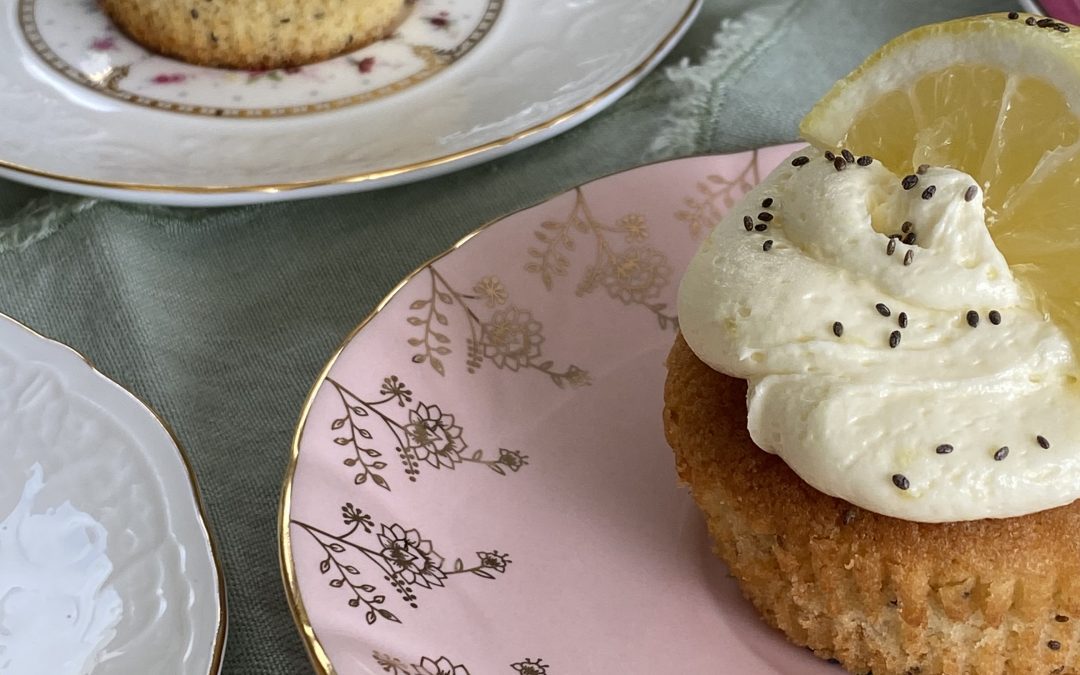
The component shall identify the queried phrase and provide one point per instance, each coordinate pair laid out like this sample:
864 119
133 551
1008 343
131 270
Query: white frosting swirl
853 416
58 610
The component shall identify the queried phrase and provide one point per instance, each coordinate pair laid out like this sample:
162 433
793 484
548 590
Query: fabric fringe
701 87
40 218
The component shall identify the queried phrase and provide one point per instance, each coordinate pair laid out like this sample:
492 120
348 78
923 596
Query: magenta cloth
1066 10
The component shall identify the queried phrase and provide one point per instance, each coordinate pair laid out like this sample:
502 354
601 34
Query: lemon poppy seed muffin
886 464
254 35
875 393
881 594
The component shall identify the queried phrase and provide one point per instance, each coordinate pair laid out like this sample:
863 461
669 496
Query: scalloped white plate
460 82
106 563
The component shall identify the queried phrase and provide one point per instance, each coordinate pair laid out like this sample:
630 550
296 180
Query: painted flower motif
634 226
391 664
350 514
435 438
512 338
395 388
636 275
494 560
103 44
443 666
530 667
411 558
168 78
578 377
441 21
512 459
492 290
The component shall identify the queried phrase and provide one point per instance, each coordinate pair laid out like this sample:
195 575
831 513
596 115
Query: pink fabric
1066 10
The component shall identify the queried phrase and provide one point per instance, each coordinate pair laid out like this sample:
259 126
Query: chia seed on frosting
840 410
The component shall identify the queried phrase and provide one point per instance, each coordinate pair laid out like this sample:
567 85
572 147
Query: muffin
254 35
885 463
875 593
874 394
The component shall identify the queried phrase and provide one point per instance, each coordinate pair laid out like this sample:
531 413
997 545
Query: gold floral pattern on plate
425 437
633 273
716 194
444 666
510 338
399 555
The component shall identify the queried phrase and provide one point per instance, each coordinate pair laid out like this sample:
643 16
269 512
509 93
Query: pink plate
480 482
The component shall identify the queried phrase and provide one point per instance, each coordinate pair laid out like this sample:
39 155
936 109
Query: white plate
106 563
460 82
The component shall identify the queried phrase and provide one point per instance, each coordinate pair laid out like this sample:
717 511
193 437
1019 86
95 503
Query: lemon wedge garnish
996 97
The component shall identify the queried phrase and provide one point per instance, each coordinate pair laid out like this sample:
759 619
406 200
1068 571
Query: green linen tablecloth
221 319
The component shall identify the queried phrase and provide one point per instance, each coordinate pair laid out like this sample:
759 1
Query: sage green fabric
221 319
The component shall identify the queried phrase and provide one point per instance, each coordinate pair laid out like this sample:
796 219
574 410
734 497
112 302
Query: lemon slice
998 97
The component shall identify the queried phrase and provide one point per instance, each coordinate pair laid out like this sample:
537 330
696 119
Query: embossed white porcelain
1066 10
541 67
106 565
54 571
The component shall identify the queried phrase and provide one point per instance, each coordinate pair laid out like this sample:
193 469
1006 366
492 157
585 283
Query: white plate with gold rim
459 82
106 562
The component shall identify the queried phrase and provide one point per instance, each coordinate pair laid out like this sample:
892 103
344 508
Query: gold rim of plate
200 507
692 7
315 650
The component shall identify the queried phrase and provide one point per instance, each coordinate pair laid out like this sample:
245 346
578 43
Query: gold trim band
691 11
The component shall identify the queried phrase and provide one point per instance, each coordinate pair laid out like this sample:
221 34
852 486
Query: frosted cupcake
879 417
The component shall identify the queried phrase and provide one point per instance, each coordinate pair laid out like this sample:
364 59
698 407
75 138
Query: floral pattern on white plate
79 41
